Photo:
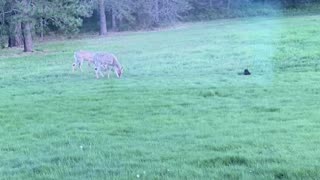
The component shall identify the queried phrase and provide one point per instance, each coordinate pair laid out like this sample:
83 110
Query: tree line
22 20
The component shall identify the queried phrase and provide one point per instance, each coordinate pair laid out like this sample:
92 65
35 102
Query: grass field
181 110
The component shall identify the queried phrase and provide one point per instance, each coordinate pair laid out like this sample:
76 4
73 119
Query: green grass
181 111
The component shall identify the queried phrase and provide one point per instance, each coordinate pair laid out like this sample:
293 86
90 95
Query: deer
80 57
106 62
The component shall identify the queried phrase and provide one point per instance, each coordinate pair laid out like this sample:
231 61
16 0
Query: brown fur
80 57
107 61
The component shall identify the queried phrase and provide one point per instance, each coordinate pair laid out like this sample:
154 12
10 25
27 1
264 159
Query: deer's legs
97 70
101 73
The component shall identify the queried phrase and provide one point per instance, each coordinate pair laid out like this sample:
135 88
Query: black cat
246 72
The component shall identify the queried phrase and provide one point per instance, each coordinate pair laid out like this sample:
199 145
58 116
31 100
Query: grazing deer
107 61
81 56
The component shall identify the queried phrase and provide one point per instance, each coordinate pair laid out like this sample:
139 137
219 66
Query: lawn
181 111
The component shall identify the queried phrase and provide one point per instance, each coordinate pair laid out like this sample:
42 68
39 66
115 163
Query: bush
250 11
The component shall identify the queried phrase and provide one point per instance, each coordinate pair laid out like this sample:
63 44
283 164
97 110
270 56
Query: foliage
154 13
62 16
143 14
68 19
203 10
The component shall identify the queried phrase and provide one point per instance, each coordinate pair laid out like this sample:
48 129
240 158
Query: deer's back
104 58
86 55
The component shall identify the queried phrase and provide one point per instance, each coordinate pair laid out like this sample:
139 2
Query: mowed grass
181 110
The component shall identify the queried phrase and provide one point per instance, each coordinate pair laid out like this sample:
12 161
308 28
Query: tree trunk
27 37
210 4
15 36
114 21
103 21
294 4
156 9
41 29
228 6
42 24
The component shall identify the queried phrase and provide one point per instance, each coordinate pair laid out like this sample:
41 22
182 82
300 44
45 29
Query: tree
120 10
26 24
3 27
103 21
27 36
14 33
153 13
10 28
28 13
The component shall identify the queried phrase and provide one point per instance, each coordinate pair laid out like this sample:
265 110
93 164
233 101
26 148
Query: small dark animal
246 72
